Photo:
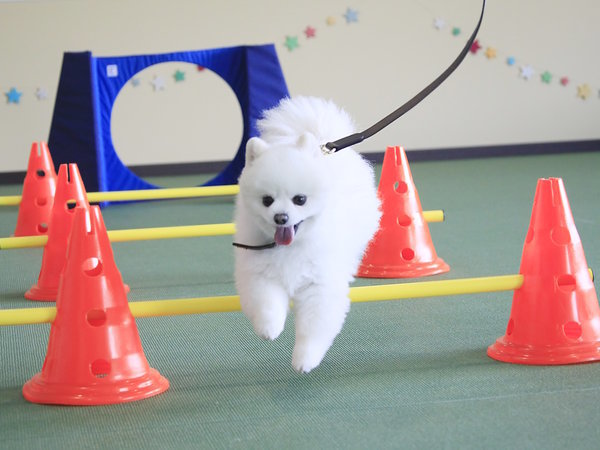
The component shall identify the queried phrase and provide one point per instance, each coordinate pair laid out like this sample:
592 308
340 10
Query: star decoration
135 82
200 68
158 83
41 93
455 31
179 76
13 96
564 81
475 47
291 42
584 91
490 53
330 20
309 32
439 24
546 77
351 15
526 72
510 61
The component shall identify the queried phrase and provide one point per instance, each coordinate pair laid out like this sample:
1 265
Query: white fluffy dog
320 211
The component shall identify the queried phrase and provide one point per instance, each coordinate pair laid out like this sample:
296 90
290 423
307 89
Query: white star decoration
527 72
439 23
41 93
158 83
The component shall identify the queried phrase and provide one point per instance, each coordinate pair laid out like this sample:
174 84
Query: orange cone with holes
94 355
555 317
37 197
402 247
69 192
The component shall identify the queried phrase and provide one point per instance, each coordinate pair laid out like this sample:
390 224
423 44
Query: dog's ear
309 142
254 148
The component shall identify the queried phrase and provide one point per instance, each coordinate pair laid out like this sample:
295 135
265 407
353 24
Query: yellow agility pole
231 303
204 305
146 234
10 200
145 194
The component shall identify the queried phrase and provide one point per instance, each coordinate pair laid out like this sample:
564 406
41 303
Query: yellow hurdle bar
146 234
10 200
231 303
204 305
145 194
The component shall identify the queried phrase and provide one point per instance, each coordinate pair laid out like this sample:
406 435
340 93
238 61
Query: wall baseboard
494 151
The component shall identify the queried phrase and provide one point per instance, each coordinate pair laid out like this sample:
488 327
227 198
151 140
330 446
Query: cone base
575 353
38 293
403 271
38 390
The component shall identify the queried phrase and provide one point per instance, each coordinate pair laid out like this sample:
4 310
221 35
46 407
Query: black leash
332 147
356 138
254 247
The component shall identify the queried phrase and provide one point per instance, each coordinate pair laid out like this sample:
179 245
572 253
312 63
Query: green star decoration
546 77
179 76
455 31
291 42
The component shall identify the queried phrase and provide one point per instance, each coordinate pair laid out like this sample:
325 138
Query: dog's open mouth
285 235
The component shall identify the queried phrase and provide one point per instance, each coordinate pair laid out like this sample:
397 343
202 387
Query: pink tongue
284 235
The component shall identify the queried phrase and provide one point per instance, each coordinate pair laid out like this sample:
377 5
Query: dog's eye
267 200
299 200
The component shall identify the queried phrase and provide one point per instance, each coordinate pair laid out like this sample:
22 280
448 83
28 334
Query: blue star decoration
351 15
13 96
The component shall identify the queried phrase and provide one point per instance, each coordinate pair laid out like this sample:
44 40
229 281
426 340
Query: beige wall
369 67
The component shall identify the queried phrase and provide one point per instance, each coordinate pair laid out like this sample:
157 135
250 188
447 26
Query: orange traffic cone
94 355
555 318
402 247
70 188
38 193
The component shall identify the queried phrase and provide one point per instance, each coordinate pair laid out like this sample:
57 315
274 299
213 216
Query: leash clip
326 150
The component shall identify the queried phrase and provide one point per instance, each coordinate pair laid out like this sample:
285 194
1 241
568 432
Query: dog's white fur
339 217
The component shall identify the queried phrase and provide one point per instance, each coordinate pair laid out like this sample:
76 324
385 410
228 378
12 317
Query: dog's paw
269 330
306 357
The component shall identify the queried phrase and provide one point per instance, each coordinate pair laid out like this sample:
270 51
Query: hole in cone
41 201
71 204
560 236
96 317
42 228
566 282
100 368
40 173
401 187
407 254
510 327
572 330
404 221
529 237
92 267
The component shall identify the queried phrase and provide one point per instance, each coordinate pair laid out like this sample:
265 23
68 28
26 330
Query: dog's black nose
281 218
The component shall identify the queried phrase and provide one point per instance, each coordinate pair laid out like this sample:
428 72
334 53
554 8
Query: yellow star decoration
490 52
584 91
330 20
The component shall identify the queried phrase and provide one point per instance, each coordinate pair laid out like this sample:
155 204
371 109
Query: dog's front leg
320 312
266 304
